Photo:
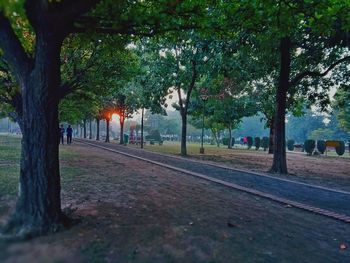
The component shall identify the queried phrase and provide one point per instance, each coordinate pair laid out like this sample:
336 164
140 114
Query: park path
323 198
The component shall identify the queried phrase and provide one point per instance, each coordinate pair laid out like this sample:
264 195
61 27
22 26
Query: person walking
61 129
69 132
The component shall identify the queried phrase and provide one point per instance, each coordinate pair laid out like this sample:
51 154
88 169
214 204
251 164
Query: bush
290 145
265 143
321 146
249 142
225 141
309 146
153 135
257 143
341 148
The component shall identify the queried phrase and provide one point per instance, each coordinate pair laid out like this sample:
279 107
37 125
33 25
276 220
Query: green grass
10 150
193 149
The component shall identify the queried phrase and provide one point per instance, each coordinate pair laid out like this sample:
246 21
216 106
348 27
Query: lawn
130 211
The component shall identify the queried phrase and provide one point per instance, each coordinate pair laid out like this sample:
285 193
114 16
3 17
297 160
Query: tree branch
14 53
308 73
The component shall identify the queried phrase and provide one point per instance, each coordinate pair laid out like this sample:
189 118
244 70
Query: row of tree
81 59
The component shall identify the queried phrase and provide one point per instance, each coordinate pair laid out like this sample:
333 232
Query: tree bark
107 130
183 134
230 137
90 129
38 208
84 126
279 155
142 115
97 129
271 137
121 122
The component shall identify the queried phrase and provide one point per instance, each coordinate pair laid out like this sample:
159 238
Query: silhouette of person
69 132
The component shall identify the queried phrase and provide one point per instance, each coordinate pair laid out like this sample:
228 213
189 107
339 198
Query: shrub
257 143
321 146
226 140
153 135
309 146
265 143
341 148
290 145
249 142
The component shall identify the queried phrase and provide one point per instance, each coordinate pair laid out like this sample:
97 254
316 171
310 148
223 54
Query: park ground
130 211
330 171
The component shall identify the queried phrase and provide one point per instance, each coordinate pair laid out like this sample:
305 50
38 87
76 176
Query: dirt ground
136 212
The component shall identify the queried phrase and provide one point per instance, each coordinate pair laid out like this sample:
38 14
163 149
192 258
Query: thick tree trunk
90 129
97 129
271 137
84 127
279 155
183 134
107 130
230 137
142 115
38 208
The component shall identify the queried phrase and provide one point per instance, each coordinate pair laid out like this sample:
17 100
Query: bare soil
131 211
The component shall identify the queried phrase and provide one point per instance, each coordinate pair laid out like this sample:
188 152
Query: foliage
321 146
154 135
265 143
257 142
300 128
340 149
249 142
290 145
342 106
309 146
322 134
225 141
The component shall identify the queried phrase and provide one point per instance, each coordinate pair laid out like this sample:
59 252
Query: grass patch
10 153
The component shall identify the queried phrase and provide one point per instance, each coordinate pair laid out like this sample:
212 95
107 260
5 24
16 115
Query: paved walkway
333 201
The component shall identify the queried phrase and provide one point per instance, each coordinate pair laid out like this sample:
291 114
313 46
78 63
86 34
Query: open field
332 171
130 211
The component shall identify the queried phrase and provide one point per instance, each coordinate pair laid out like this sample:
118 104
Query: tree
312 41
342 106
34 61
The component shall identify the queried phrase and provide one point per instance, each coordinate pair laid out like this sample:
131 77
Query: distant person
61 134
245 140
69 132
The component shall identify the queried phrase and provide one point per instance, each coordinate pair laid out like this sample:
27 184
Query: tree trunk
218 139
230 137
271 137
121 122
183 134
38 208
84 126
142 115
97 129
107 130
90 129
279 154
